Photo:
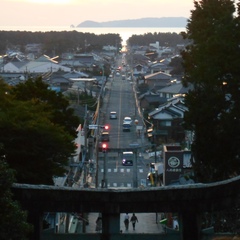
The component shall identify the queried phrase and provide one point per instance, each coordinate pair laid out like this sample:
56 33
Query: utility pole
85 146
135 180
104 183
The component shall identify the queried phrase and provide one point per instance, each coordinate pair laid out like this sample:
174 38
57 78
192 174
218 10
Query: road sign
93 126
134 145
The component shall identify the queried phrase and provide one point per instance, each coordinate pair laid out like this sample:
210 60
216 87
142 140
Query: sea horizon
125 33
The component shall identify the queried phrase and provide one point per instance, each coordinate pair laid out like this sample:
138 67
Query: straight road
121 99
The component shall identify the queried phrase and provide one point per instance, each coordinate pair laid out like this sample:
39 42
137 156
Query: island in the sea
135 23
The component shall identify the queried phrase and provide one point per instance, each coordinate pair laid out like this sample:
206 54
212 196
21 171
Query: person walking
99 224
126 221
134 219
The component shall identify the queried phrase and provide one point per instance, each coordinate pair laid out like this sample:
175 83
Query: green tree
37 134
38 92
211 63
13 221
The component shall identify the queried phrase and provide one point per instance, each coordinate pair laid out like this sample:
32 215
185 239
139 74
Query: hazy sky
67 12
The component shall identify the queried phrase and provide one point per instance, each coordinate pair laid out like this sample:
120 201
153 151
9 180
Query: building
167 120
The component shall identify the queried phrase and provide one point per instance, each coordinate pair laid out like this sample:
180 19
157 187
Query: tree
38 92
211 63
36 132
176 64
13 221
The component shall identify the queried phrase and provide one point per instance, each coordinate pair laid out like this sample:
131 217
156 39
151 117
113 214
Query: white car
127 120
113 115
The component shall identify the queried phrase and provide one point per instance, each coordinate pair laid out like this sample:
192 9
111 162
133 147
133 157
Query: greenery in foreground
211 65
13 221
37 131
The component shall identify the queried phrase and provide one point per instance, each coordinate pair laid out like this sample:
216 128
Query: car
127 120
105 137
113 115
127 158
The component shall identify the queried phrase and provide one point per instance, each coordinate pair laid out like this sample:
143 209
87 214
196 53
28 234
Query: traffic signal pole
104 181
135 180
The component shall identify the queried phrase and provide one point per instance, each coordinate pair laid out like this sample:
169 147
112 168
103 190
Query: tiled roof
175 88
169 106
158 75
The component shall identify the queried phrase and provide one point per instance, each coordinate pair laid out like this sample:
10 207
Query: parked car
113 115
127 158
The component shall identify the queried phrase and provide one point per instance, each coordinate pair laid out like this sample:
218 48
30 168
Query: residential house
79 61
139 70
139 59
162 51
167 120
62 80
109 51
149 101
175 89
160 66
41 65
158 80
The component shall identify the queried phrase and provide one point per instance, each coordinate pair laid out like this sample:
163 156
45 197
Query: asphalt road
121 98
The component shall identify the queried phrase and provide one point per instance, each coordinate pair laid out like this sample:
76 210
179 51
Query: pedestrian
134 219
99 224
126 221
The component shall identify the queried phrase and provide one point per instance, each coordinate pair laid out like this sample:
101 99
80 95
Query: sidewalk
146 224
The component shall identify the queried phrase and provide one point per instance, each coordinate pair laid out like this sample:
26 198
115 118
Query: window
165 123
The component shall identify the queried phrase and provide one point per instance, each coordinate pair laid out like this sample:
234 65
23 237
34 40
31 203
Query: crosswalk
118 185
120 170
123 171
142 182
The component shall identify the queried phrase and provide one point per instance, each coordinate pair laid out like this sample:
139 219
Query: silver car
113 115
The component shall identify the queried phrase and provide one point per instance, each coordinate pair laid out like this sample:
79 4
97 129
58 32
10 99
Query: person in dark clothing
134 219
126 221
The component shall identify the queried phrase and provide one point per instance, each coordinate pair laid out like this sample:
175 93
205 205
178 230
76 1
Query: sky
74 12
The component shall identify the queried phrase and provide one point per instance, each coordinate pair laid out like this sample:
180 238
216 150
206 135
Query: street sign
93 126
134 145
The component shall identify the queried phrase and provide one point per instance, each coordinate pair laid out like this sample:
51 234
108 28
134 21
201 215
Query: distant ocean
125 33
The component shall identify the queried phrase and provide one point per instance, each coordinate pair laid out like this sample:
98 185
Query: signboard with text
173 162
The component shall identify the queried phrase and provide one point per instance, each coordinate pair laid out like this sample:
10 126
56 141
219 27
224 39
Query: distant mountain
135 23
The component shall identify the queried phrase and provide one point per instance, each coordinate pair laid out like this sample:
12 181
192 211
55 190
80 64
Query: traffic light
106 127
104 147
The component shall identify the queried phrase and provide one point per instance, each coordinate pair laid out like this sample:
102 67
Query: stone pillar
110 224
190 225
35 218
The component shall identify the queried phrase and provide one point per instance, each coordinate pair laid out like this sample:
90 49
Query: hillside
135 23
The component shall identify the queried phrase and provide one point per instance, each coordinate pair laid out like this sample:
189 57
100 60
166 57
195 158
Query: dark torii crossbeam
189 201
